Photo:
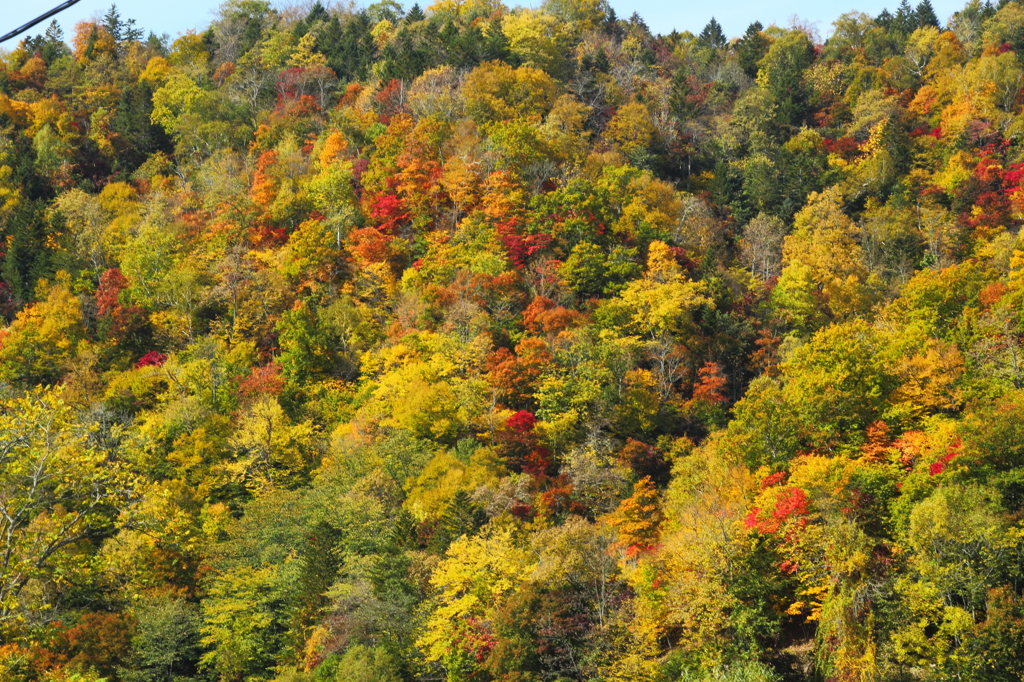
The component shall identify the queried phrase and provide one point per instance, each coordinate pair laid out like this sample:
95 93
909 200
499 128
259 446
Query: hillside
473 343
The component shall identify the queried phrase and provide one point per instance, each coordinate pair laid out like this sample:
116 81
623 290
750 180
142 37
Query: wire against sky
43 17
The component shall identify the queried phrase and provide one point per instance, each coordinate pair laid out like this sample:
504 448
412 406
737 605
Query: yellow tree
56 493
476 576
822 263
43 338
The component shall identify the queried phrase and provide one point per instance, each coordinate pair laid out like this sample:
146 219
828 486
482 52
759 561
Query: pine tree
925 15
461 517
320 564
751 48
713 36
905 19
112 22
415 14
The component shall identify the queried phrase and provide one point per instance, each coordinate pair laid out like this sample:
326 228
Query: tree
924 15
494 91
751 48
780 73
712 35
165 646
477 575
762 245
44 337
57 493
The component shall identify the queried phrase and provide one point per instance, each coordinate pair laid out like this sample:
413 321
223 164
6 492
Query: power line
56 10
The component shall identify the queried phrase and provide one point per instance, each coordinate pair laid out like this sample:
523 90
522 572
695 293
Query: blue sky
177 16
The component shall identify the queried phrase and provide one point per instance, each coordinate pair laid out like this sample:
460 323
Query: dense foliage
477 343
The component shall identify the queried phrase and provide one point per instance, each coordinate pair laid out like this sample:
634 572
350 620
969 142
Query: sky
177 16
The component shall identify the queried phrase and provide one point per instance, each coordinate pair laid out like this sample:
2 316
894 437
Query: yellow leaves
157 71
429 384
494 91
533 37
823 249
641 402
272 450
305 56
663 300
50 112
466 8
929 378
382 32
189 53
20 113
178 97
476 575
445 475
43 337
702 539
631 128
436 93
99 130
10 192
54 491
564 129
274 51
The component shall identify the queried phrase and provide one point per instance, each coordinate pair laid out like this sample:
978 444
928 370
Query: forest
471 343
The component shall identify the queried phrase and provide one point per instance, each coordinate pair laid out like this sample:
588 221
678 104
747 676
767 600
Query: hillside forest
471 343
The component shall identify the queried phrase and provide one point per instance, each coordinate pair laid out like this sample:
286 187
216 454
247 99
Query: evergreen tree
905 20
123 32
751 48
925 15
320 564
50 45
461 517
415 14
349 48
316 15
713 36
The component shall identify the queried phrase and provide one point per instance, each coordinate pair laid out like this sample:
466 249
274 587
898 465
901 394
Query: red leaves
774 479
390 100
789 514
520 248
389 212
521 422
265 380
937 468
152 359
925 130
844 147
112 283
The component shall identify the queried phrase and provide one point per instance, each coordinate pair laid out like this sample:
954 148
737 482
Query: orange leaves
370 245
334 146
639 516
264 184
112 283
515 376
545 316
265 380
710 386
